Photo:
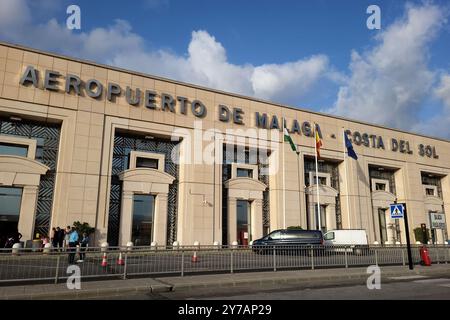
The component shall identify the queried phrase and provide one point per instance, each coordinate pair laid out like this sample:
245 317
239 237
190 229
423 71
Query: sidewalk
302 278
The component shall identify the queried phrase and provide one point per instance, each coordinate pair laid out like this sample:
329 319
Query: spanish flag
318 140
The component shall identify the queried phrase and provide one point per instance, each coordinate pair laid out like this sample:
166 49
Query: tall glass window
243 222
143 218
10 200
13 149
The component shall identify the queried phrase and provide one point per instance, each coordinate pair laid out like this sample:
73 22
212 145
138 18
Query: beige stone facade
412 168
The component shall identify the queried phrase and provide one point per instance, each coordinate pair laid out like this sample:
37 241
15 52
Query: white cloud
205 62
443 90
389 83
439 124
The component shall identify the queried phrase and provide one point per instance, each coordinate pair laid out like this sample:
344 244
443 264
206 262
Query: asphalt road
418 287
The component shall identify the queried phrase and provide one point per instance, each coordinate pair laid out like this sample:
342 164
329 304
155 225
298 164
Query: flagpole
346 179
284 183
299 193
317 180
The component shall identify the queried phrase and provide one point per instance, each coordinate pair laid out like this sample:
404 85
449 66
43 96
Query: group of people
8 240
69 239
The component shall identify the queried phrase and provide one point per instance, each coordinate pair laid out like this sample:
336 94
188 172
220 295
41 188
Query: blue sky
317 55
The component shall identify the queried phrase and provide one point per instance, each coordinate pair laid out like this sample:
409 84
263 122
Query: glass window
146 163
429 191
329 236
380 186
143 215
301 234
246 173
243 222
10 199
322 180
275 235
13 149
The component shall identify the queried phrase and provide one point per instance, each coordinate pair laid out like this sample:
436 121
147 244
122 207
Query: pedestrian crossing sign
396 211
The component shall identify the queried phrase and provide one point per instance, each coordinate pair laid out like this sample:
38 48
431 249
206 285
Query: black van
288 238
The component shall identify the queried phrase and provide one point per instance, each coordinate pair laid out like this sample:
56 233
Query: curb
89 293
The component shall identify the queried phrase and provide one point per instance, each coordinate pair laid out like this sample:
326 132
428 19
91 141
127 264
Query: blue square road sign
397 211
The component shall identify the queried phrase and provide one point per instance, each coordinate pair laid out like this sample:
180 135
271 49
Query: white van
353 240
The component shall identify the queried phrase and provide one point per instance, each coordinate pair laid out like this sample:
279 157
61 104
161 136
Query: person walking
83 245
55 237
73 242
61 235
66 236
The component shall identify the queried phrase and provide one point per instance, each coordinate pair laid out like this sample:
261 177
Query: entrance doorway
10 200
143 218
244 222
382 223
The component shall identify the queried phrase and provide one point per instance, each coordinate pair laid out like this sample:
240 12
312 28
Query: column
330 213
28 212
126 218
232 220
257 221
160 219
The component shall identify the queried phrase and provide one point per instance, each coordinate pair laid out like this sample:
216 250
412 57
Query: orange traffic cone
194 257
120 261
104 261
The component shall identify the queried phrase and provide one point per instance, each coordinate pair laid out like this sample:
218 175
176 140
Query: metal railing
51 265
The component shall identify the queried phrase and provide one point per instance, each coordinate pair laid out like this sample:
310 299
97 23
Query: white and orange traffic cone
120 261
194 257
104 261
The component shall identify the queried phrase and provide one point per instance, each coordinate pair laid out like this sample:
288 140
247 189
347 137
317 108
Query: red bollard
426 260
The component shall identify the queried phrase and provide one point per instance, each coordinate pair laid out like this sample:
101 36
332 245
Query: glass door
10 201
143 218
243 222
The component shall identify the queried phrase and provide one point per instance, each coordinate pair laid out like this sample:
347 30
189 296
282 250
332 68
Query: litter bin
36 245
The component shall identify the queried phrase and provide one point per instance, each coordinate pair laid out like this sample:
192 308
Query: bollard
397 243
418 242
47 248
376 243
175 245
234 244
154 245
16 249
104 247
129 246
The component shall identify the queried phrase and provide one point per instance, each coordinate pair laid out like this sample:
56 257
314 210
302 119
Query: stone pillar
232 220
330 213
27 212
256 217
126 218
160 219
390 228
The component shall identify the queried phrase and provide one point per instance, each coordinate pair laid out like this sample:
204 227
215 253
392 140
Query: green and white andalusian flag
287 138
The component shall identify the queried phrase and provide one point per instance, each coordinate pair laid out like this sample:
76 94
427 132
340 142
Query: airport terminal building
147 159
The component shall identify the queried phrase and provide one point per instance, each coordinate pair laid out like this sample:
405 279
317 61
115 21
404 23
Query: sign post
437 221
398 211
